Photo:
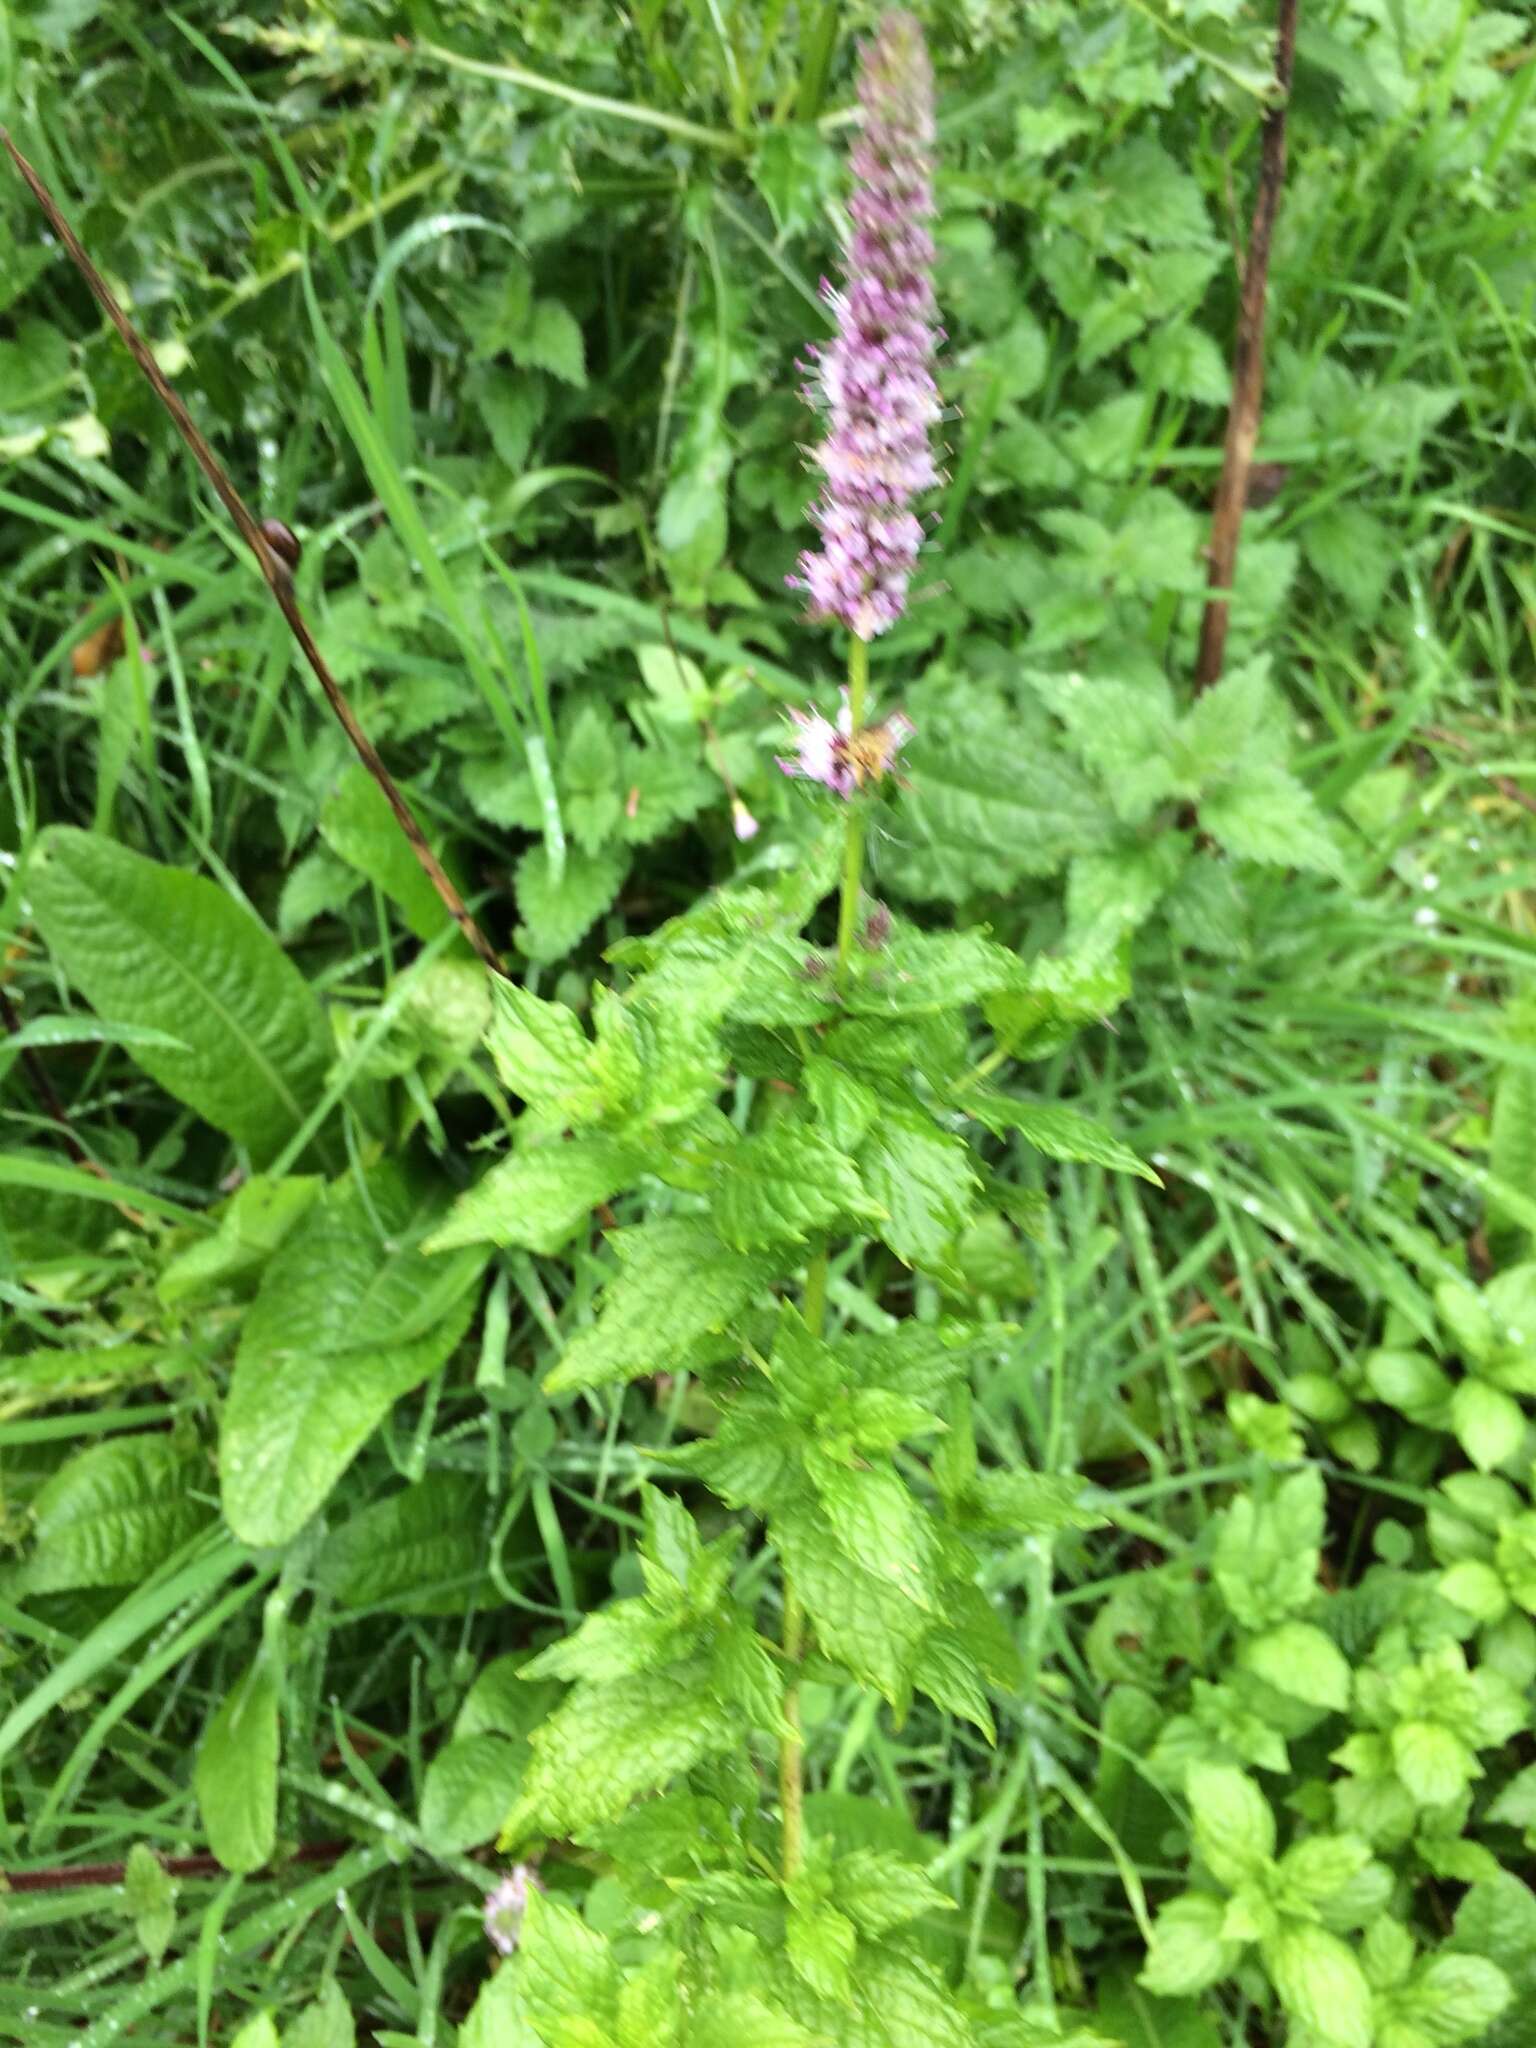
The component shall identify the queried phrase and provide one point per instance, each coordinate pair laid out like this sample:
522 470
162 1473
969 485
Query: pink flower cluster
875 379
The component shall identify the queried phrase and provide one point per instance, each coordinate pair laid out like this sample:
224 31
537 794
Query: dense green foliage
1103 1293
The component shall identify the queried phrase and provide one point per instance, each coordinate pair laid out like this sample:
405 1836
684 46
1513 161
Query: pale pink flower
506 1905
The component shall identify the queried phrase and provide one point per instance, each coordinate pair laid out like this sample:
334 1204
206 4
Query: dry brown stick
65 1877
1247 365
276 571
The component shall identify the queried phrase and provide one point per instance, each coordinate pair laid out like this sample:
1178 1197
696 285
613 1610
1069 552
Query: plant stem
853 839
1248 366
792 1744
274 568
815 1309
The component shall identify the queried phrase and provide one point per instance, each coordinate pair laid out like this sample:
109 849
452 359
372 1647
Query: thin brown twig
1247 365
278 577
60 1877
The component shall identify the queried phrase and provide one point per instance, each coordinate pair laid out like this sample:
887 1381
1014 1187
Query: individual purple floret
875 380
505 1907
821 749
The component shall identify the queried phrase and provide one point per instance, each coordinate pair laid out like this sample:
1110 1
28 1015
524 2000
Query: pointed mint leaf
677 1283
540 1049
923 1179
607 1745
541 1196
918 972
1055 1130
879 1524
780 1184
1265 814
558 911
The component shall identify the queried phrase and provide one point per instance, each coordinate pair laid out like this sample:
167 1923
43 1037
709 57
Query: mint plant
859 1508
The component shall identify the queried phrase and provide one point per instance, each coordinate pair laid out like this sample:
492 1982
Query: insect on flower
873 749
841 759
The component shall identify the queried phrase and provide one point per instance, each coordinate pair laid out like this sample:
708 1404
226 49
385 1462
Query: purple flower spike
505 1907
875 379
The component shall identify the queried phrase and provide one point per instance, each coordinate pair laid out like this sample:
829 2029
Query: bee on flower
841 758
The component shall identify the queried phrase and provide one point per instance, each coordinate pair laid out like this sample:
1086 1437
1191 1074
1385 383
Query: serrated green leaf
782 1183
466 1792
552 341
733 2018
112 1513
1320 1984
236 1772
158 947
559 911
360 828
326 2023
1056 1130
541 1196
541 1051
351 1314
987 809
566 1968
1456 1998
861 1619
1300 1661
1265 814
677 1283
923 1180
260 2032
1267 1553
1189 1952
1488 1423
917 973
820 1943
1233 1827
845 1104
1433 1763
879 1525
610 1744
420 1551
879 1890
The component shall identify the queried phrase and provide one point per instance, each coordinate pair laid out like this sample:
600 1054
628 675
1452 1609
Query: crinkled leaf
112 1513
1055 1130
156 946
782 1183
610 1744
677 1283
541 1196
351 1314
557 911
923 1180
